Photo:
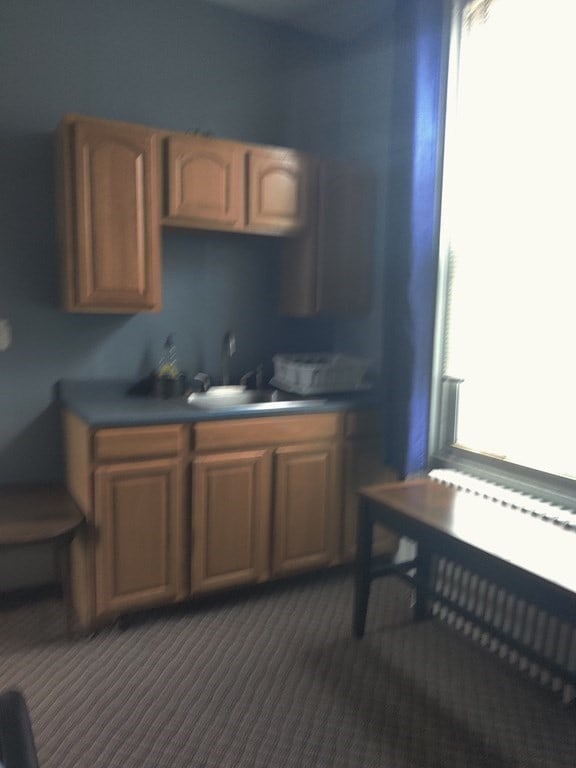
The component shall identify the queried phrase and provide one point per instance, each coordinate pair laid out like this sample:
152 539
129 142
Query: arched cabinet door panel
277 190
226 185
306 507
109 215
139 535
230 519
205 182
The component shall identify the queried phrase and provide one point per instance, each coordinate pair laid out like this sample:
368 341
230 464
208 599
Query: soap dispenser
169 381
168 364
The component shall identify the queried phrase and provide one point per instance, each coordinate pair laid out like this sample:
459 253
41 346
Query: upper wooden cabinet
204 182
277 190
108 178
328 267
226 185
111 177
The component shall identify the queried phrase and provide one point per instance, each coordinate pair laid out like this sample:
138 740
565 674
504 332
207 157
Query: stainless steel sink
227 397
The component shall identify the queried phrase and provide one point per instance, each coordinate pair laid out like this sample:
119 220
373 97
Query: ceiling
338 20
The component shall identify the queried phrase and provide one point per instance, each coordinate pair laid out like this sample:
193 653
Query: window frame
442 451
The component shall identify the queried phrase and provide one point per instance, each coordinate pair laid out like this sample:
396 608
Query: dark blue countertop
106 403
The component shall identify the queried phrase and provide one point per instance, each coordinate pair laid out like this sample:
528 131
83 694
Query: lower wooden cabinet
267 510
132 553
175 511
139 545
230 519
306 508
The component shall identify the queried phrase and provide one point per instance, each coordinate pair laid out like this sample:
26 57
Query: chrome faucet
228 349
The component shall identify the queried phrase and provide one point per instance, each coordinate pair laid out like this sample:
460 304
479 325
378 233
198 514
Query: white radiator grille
513 628
507 497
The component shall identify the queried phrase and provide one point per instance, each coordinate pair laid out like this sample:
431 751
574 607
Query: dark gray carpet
274 678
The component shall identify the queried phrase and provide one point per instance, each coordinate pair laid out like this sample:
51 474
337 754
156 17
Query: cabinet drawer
137 442
278 430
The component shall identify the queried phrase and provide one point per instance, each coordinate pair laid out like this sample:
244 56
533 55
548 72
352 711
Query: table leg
362 567
423 581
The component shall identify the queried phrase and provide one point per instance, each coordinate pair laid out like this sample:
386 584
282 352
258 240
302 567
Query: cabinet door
277 181
345 239
205 183
140 540
306 507
113 250
328 267
363 465
299 267
230 519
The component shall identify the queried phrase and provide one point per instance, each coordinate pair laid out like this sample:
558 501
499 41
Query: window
507 309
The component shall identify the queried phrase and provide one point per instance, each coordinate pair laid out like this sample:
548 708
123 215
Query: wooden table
41 514
533 559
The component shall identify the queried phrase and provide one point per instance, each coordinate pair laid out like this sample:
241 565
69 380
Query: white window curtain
510 207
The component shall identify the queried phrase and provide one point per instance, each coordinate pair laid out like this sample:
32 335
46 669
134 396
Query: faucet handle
204 380
257 374
245 378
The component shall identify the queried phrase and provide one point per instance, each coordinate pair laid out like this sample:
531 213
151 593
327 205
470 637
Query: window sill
542 485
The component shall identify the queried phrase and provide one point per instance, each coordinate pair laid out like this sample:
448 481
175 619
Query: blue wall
188 65
178 65
365 139
340 106
183 65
